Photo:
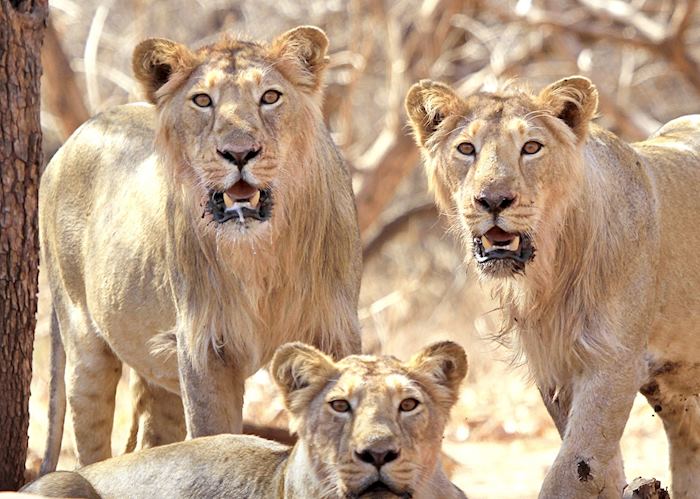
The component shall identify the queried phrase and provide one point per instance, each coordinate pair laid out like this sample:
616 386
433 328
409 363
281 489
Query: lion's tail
57 399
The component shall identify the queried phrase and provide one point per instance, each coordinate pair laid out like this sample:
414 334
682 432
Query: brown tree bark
22 24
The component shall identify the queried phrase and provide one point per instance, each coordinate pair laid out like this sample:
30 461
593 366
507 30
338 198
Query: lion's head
505 165
372 425
235 119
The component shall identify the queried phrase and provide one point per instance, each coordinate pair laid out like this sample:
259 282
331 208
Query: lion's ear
157 61
300 372
445 364
574 100
302 55
427 104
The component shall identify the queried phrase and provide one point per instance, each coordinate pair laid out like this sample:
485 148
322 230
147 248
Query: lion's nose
239 156
377 457
494 202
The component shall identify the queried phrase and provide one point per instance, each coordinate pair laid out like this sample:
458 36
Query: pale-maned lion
368 427
592 247
190 237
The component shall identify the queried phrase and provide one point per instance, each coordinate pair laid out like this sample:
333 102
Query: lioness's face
503 165
227 114
375 422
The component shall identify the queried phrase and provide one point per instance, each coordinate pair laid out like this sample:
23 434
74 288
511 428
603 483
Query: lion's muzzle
497 248
240 202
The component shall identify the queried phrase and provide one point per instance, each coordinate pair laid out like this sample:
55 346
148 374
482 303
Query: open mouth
240 202
497 244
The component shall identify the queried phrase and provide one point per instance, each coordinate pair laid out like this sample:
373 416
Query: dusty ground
500 436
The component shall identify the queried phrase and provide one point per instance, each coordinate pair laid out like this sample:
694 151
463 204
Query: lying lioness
367 426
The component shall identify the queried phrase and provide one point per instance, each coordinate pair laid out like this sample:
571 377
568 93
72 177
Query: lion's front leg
212 396
589 463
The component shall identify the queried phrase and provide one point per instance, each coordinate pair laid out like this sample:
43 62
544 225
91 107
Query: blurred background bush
642 55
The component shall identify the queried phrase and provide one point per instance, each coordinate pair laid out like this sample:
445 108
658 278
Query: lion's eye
407 405
466 148
531 147
270 97
340 405
202 100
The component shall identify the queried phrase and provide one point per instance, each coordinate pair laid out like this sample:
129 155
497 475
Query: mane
553 310
234 286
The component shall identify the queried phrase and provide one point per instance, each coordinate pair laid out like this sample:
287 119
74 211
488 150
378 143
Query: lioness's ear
574 100
157 61
427 104
445 364
302 55
300 371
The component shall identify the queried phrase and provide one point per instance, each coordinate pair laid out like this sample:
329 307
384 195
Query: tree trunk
22 23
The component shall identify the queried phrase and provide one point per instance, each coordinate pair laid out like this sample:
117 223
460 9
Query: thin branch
394 227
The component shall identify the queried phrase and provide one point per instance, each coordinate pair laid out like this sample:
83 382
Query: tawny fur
325 461
140 274
608 305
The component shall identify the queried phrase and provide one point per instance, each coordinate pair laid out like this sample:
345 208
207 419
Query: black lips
498 260
217 208
379 486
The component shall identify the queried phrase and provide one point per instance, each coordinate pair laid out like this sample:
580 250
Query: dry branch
641 488
61 94
395 226
411 51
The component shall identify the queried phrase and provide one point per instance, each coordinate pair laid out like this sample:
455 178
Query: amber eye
407 405
270 97
202 100
531 147
340 405
466 148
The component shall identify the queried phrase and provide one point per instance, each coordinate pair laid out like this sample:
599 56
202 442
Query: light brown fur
140 272
327 459
608 304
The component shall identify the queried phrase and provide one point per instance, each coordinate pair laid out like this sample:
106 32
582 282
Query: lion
575 229
368 426
190 236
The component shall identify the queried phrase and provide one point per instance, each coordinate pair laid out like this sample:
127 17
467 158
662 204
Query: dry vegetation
642 55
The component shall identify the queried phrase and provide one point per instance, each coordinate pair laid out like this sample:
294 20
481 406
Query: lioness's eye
340 405
531 147
466 148
407 405
270 97
202 100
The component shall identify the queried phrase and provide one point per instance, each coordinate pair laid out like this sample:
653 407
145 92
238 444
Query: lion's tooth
486 243
514 244
228 200
254 200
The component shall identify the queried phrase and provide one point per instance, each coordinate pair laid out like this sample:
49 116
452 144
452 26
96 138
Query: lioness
368 427
191 236
592 249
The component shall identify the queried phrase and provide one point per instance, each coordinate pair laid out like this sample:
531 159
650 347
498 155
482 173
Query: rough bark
22 23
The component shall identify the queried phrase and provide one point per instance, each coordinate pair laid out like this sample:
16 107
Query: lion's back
102 186
217 466
672 158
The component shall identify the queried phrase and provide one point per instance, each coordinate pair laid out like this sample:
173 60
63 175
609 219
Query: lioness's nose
239 156
377 457
494 202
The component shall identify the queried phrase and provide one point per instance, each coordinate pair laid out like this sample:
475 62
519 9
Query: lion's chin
502 254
